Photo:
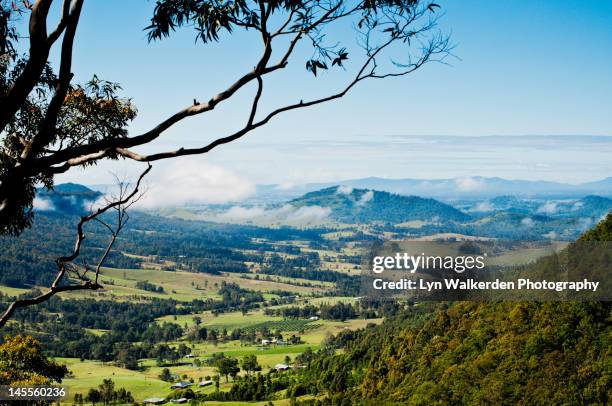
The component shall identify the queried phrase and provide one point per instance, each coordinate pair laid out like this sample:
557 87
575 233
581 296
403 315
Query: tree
127 357
49 125
227 366
107 391
183 350
22 363
250 364
93 396
165 375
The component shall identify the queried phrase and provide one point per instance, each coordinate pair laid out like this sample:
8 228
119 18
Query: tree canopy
23 363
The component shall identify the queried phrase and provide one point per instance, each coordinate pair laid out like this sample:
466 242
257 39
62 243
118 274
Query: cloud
366 197
551 235
41 204
585 222
192 181
285 213
243 213
309 213
527 222
577 206
483 206
469 184
344 190
548 208
97 204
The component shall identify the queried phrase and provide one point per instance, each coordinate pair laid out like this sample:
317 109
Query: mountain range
476 187
506 216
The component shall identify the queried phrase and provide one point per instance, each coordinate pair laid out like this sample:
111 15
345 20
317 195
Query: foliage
149 287
166 375
227 366
474 353
601 232
252 387
105 393
22 363
249 363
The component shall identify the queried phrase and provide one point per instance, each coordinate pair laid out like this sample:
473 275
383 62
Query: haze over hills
506 216
477 187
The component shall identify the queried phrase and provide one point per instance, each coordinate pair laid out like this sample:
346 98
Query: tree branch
436 46
64 264
108 146
39 53
47 128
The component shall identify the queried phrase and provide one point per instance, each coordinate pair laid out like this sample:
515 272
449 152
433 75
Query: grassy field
5 290
232 320
120 284
89 374
228 321
145 383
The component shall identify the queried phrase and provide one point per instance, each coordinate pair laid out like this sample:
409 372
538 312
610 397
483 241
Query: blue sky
523 68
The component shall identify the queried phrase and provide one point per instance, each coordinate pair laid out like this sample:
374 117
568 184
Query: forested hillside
364 206
475 353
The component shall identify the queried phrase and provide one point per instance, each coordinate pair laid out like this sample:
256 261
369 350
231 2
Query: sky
522 70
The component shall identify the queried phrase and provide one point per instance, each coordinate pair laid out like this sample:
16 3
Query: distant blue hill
70 198
476 187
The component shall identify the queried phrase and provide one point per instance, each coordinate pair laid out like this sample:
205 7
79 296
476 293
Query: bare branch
64 264
437 46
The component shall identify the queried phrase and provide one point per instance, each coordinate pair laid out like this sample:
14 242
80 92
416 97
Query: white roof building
154 401
181 385
281 367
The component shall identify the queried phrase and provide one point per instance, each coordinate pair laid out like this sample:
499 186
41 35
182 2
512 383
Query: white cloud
366 197
527 222
310 213
344 190
585 222
483 206
551 236
192 181
286 213
243 213
43 204
577 206
549 207
96 204
468 184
